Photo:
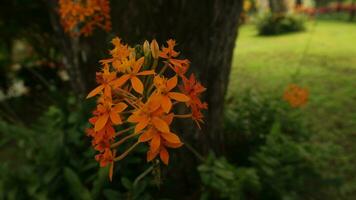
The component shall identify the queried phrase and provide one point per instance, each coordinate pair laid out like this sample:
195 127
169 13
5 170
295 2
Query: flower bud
154 49
146 48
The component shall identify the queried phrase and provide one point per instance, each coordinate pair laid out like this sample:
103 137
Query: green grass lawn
324 55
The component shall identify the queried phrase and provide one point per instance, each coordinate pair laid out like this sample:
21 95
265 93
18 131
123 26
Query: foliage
50 159
275 24
268 136
222 180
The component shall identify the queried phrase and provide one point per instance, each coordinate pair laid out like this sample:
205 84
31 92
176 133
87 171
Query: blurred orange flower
295 95
80 17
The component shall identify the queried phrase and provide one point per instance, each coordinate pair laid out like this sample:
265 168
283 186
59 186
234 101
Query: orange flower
107 111
169 52
81 17
106 79
192 88
149 114
132 76
164 93
180 67
107 158
296 96
103 138
159 141
119 53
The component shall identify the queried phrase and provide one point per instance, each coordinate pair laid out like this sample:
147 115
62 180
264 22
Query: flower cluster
296 96
80 17
136 101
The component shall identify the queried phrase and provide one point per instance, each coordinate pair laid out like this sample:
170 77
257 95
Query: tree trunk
278 6
353 10
298 3
206 32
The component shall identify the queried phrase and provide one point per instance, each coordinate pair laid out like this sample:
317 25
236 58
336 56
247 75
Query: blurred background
280 78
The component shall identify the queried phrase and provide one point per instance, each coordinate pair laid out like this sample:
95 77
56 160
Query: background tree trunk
298 3
353 10
278 6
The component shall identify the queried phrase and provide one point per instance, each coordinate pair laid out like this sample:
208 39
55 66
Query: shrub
51 159
267 135
273 24
222 180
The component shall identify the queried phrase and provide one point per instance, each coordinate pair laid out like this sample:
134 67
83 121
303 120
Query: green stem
141 176
194 151
126 152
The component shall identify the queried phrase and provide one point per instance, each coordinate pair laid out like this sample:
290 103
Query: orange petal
178 96
111 170
141 125
154 102
171 137
120 81
134 118
100 123
151 155
172 145
95 91
168 118
155 142
166 103
138 64
137 84
107 91
171 83
119 107
160 124
146 136
147 72
115 118
163 154
116 64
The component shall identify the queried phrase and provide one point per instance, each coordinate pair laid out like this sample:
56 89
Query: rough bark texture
205 30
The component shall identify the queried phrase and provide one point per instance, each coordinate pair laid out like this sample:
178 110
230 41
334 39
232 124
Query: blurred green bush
270 155
52 159
275 24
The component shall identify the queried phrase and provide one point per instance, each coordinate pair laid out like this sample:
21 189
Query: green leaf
112 194
99 182
76 188
126 183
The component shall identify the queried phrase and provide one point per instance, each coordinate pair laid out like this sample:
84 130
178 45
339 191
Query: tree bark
206 32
